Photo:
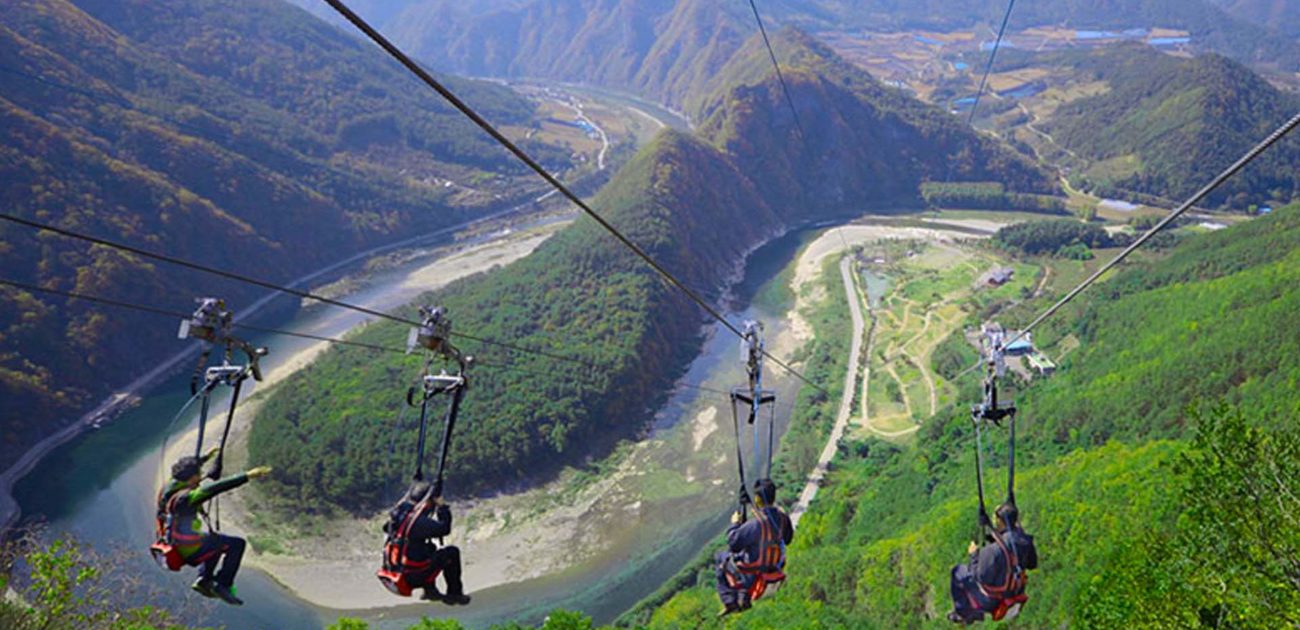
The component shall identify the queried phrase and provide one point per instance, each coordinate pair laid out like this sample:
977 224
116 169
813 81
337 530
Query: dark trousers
446 560
228 550
967 599
729 596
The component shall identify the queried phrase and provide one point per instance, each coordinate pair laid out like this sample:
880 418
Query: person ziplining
181 508
411 558
992 581
754 560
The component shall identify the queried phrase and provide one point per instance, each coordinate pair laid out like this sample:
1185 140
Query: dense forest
669 49
1146 454
1051 237
260 141
696 204
1167 125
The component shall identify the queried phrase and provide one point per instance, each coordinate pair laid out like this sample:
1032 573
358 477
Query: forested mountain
1168 125
697 204
666 49
259 140
1157 463
1277 16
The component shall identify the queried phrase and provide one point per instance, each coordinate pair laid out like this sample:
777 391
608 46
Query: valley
849 207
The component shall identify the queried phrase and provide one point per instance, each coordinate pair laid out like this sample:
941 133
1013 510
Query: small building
1023 346
997 276
1040 363
1265 210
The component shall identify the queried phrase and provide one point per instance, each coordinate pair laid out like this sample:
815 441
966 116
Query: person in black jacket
990 576
754 548
424 559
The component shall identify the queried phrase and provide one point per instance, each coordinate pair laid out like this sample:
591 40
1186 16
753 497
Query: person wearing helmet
430 518
181 512
992 580
755 548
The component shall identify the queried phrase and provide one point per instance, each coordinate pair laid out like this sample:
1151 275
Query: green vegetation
1171 124
670 50
259 141
1129 485
695 206
63 585
1061 237
987 196
862 144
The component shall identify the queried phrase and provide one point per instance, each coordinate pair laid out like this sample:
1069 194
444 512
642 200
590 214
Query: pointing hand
212 452
259 472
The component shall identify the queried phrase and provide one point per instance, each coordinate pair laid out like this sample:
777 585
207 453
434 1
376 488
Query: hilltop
1164 126
697 204
260 141
668 49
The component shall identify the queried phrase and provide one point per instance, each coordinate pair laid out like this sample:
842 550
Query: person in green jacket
181 512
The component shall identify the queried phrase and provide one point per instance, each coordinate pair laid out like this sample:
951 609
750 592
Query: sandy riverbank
327 581
560 528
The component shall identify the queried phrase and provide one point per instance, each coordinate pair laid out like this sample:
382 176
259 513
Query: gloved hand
972 547
736 518
259 472
443 512
744 496
212 452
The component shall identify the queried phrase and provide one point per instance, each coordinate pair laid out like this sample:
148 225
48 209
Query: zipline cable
269 285
779 76
1273 138
1227 174
559 186
179 315
988 69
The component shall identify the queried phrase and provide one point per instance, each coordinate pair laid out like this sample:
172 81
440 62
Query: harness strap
1011 583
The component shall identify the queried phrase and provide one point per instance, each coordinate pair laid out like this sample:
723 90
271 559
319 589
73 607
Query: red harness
398 567
165 549
1009 596
767 569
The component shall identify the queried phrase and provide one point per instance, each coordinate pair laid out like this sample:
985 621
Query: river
99 487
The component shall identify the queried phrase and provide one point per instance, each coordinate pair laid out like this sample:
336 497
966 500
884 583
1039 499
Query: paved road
846 401
9 510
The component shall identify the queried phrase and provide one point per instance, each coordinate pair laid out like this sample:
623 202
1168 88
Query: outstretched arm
214 488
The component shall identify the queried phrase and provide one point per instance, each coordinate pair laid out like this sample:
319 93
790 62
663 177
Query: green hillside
1144 494
668 49
1176 123
260 141
697 204
1277 16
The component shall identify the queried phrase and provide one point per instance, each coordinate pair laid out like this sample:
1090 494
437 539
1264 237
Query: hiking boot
456 600
227 594
204 586
955 617
727 610
432 594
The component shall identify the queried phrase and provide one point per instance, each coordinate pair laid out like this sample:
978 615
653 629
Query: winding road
846 401
113 404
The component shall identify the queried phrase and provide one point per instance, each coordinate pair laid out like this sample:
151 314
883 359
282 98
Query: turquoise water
99 487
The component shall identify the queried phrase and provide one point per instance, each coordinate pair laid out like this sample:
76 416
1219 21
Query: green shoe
227 594
205 587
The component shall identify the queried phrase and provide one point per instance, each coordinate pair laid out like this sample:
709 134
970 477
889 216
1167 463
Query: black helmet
765 491
416 492
1008 514
186 468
